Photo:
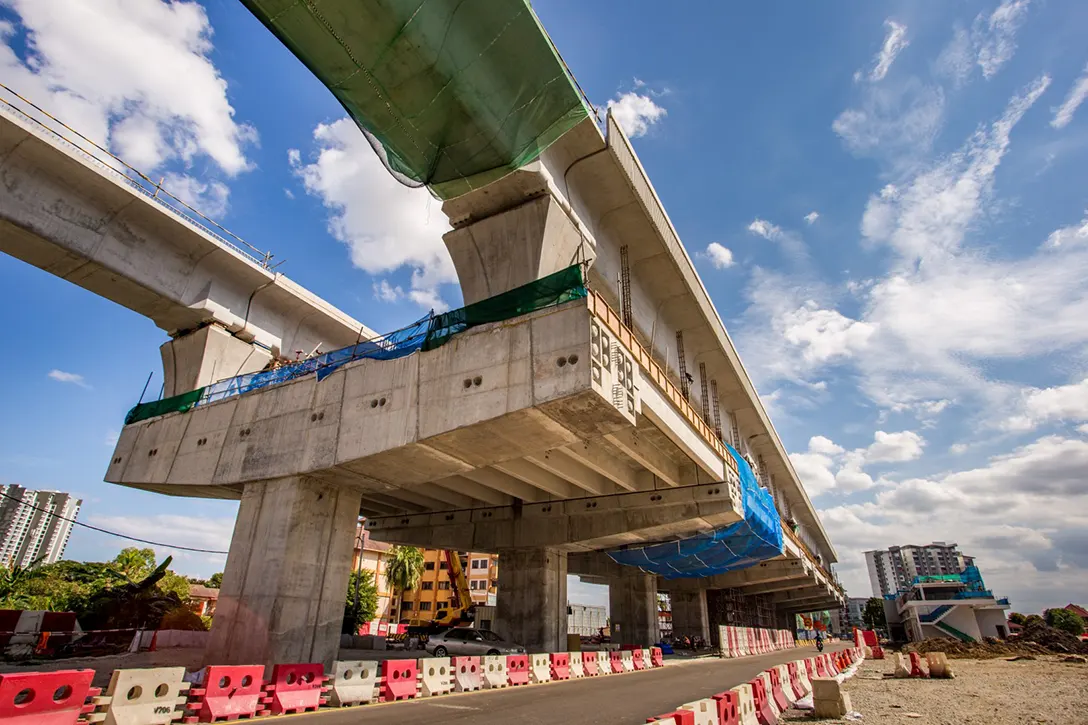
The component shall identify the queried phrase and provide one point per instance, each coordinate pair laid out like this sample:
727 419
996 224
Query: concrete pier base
689 612
632 602
282 598
532 598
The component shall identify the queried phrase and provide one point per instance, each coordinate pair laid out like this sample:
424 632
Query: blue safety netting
755 538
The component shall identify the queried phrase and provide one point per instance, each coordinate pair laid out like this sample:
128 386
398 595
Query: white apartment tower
893 569
33 525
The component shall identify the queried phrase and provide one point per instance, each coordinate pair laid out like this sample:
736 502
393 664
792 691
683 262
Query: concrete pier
633 608
532 599
689 612
282 598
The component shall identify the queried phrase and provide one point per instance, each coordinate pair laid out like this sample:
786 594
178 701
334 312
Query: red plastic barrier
657 657
810 667
294 688
517 669
636 659
776 690
560 662
870 639
617 661
45 698
916 666
680 717
764 713
795 680
589 664
821 667
399 679
728 703
229 692
878 652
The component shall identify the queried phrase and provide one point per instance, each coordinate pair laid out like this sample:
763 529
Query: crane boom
460 596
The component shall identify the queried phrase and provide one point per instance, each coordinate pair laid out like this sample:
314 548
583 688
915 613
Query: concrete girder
484 494
534 475
785 585
571 470
800 594
584 524
652 458
597 457
505 483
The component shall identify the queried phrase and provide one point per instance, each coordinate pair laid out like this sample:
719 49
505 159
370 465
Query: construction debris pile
1037 639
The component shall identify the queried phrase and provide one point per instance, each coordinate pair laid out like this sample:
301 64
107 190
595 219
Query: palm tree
404 568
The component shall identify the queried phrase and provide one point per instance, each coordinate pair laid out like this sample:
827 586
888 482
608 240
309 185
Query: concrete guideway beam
583 524
79 220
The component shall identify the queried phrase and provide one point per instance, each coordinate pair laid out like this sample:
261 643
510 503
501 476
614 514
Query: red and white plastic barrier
745 641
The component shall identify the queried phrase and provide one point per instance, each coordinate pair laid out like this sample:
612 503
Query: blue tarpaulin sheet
755 538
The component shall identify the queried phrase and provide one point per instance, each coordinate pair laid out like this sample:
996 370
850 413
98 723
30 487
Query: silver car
465 641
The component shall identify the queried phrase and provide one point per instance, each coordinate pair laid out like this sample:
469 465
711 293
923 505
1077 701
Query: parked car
467 641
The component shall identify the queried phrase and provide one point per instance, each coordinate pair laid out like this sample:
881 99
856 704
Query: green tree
1033 619
135 563
404 568
1065 620
873 614
215 581
362 601
1017 618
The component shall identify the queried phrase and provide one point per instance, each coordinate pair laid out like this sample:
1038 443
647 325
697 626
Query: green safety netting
452 94
427 333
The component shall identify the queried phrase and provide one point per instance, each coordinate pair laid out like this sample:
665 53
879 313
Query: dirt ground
984 692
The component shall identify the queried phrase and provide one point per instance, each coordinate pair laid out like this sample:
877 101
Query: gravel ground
984 692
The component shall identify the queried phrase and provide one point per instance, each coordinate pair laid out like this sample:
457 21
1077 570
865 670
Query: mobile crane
461 611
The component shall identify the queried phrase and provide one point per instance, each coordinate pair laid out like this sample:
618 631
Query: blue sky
887 202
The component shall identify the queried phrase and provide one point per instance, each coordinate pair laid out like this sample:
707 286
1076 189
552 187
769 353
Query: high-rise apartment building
35 525
893 569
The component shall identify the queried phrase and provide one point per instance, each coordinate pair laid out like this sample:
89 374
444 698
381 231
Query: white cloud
721 257
111 438
894 447
765 229
62 377
384 224
823 335
994 38
1068 236
636 113
135 75
814 470
825 446
811 217
387 292
895 40
198 532
957 448
893 122
1083 429
1072 102
1022 515
1059 403
209 198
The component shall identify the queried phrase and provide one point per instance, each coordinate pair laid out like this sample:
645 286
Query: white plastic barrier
706 711
467 674
604 663
746 711
766 677
436 676
354 682
577 669
540 669
146 697
802 677
628 660
787 687
494 670
646 658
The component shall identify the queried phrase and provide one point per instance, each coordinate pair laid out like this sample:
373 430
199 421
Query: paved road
611 700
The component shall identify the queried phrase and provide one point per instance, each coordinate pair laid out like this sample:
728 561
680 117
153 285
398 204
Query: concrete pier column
532 598
197 358
632 602
689 612
286 578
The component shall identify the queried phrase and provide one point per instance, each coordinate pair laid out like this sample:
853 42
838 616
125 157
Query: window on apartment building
443 585
474 585
444 604
494 582
424 606
443 566
428 566
405 605
427 586
479 563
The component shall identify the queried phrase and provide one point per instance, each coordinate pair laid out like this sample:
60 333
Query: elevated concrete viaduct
595 424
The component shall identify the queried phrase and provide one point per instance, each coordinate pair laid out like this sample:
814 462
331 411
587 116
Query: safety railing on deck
600 308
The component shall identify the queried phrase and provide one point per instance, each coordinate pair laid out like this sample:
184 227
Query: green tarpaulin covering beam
453 94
